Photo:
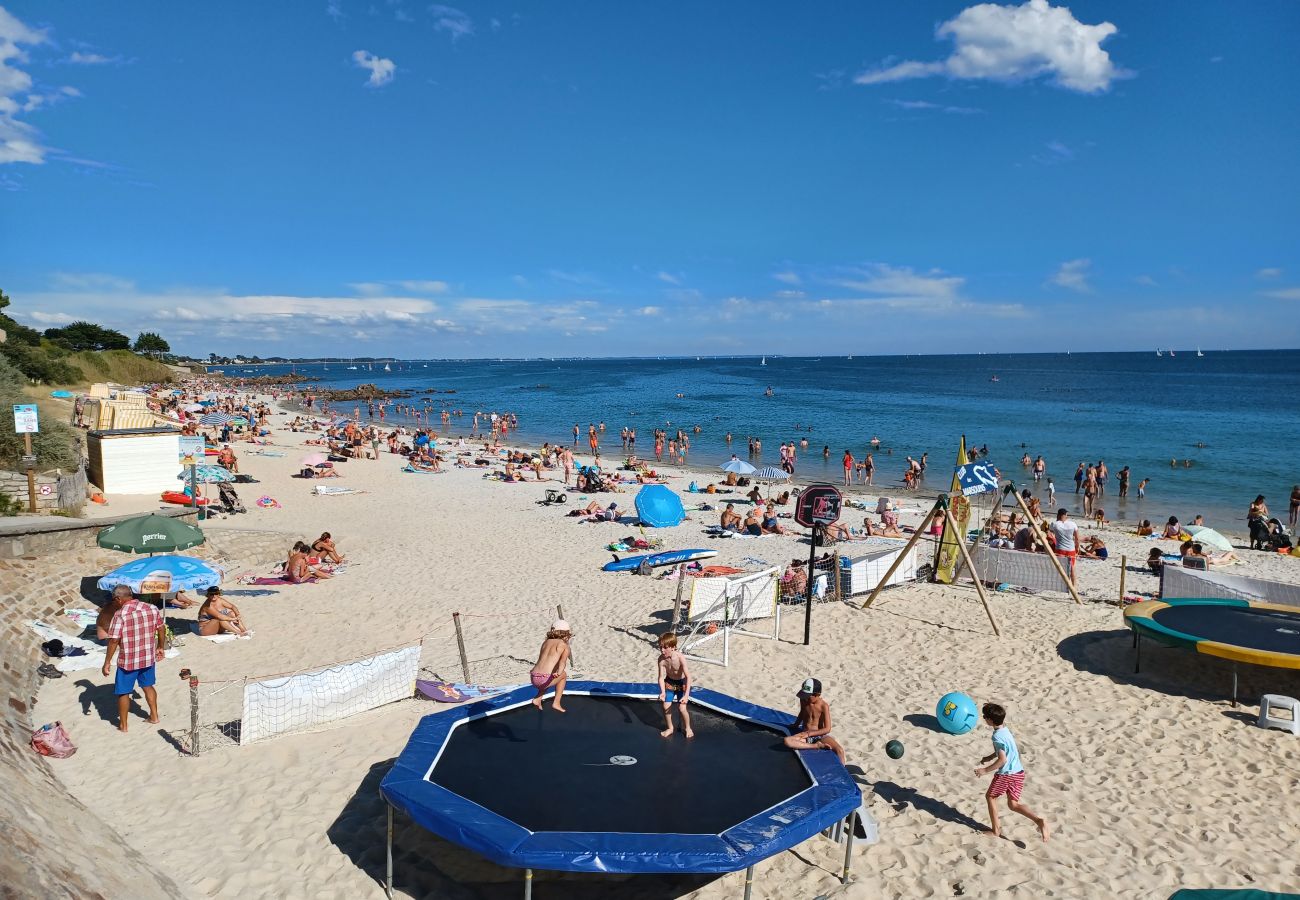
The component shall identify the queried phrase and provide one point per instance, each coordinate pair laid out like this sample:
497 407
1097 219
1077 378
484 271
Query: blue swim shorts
126 681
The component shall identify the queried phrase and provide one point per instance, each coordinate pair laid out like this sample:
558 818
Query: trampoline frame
1141 620
831 797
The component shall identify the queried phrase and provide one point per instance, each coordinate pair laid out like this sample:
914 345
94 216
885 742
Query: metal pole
31 473
194 715
848 849
677 603
1234 685
808 588
460 644
388 883
1123 570
749 882
528 884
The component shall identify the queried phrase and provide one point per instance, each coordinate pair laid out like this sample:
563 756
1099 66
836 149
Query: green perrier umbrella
150 534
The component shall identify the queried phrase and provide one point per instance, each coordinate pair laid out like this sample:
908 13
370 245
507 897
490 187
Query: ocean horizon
1222 412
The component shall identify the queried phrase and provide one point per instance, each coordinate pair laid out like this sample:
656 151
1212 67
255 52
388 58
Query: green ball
894 749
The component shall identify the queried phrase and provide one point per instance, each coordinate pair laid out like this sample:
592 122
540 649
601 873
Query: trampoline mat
1257 629
551 771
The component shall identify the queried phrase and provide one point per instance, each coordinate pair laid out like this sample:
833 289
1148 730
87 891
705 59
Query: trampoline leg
749 883
1137 645
1234 685
528 884
388 883
848 849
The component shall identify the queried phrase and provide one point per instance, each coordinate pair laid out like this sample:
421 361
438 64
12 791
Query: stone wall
47 489
39 858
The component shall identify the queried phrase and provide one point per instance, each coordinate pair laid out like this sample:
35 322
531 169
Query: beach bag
52 740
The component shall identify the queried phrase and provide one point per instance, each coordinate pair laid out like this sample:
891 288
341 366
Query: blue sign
977 478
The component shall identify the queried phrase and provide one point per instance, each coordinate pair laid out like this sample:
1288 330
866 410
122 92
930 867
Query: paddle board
666 558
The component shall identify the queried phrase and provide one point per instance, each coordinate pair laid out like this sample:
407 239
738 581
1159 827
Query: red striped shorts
1011 784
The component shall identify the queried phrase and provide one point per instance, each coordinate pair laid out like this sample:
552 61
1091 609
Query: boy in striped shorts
1010 775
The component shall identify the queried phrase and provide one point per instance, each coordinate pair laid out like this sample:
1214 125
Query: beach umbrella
193 407
209 475
216 418
739 466
150 534
163 575
314 459
659 507
771 473
1209 537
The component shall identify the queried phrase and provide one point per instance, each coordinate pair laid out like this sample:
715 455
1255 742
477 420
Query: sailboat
764 362
1198 352
353 367
1171 353
1158 353
425 366
386 368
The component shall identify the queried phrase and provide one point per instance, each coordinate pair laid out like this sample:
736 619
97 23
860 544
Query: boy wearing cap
552 660
812 729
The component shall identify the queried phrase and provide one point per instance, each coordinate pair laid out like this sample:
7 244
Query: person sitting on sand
1093 548
326 548
1155 560
731 520
731 479
1099 517
227 459
299 569
794 581
596 512
1172 529
755 495
753 523
782 499
322 470
1145 528
218 615
812 728
769 522
552 662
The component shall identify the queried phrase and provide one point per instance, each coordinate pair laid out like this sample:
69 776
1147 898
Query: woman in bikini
218 615
552 664
326 549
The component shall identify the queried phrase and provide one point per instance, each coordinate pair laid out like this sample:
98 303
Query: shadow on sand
425 865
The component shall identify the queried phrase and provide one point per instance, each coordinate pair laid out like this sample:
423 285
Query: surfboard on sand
654 560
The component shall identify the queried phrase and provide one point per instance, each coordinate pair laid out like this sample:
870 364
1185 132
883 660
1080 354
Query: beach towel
416 471
82 618
328 489
78 653
280 579
455 692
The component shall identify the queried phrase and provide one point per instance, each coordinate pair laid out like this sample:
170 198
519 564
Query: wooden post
916 536
559 614
31 474
1123 570
677 603
979 585
1051 554
460 644
194 716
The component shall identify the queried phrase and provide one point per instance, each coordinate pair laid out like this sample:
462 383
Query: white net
727 605
310 699
1030 570
1175 581
860 574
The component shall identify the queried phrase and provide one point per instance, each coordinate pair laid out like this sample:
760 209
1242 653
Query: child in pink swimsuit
552 662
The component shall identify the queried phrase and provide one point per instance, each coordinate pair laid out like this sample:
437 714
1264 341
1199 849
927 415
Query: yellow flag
945 566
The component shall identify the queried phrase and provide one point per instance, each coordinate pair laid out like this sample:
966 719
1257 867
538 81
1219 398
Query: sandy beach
1151 782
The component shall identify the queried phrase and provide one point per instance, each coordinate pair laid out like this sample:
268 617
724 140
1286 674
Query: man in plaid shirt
134 632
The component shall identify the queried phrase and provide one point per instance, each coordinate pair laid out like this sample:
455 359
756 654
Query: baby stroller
230 501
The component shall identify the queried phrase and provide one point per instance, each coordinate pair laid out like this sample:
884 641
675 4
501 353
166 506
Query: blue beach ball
956 713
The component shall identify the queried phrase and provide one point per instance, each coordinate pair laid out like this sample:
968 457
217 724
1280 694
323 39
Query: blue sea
1234 414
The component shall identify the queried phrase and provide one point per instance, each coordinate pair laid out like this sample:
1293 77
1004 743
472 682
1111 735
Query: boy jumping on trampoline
812 729
674 676
552 662
1010 775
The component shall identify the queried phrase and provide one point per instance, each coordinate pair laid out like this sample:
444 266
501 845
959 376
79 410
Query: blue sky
389 177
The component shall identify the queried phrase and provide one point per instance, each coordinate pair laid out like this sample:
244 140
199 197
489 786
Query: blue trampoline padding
832 796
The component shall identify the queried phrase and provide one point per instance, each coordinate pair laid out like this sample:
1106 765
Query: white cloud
650 311
1146 281
424 287
381 70
668 278
901 288
334 9
1284 293
1269 273
50 319
19 141
1073 275
454 21
1013 44
938 107
78 58
787 277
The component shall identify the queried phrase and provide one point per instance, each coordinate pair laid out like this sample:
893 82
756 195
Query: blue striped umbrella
771 473
216 418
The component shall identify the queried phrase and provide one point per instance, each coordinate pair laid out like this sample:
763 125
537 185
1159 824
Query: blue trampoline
630 801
